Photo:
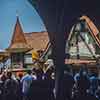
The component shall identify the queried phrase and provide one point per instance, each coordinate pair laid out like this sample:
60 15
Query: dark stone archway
58 16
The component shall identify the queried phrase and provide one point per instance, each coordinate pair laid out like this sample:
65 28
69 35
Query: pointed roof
18 36
83 45
18 41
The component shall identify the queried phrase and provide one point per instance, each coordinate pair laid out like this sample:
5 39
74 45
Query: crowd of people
36 85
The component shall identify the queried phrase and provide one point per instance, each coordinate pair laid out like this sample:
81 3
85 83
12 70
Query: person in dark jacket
11 88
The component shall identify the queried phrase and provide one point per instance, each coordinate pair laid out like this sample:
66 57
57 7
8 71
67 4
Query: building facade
23 44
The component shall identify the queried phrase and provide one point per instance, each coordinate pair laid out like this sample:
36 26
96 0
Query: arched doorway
58 16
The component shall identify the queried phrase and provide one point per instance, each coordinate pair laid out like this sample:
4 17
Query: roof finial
17 13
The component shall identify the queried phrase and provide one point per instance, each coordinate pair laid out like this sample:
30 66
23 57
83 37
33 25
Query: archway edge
54 26
58 15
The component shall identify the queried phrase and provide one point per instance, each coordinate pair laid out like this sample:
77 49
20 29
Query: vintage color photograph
49 50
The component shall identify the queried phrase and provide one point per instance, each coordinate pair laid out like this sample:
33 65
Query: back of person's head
20 75
3 78
9 74
29 72
83 71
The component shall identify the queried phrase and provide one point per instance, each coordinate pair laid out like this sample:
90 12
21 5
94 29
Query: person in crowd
11 87
2 81
68 82
39 73
26 83
19 76
94 84
83 84
97 92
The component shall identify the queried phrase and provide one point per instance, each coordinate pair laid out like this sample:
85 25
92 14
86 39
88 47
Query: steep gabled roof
18 39
27 41
18 35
